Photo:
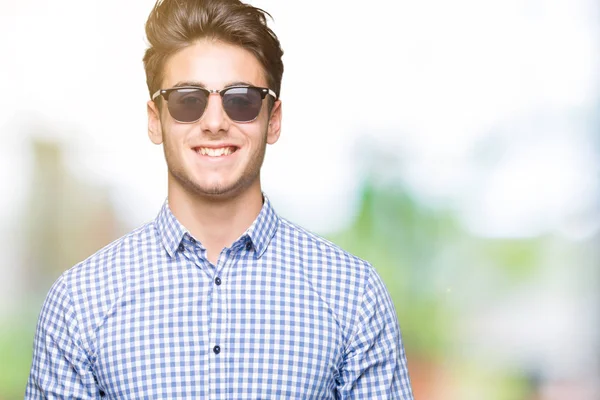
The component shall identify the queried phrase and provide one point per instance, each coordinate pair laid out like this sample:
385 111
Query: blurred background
455 145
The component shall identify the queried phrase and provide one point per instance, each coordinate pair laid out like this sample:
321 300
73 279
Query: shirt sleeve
60 368
375 362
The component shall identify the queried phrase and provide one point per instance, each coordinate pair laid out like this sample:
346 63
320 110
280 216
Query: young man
218 297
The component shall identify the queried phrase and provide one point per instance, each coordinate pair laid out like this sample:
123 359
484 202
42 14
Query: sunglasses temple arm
156 94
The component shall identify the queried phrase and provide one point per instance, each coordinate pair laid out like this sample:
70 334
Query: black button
101 392
248 246
193 240
217 281
181 247
217 349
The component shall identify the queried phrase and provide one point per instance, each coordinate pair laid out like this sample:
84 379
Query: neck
216 223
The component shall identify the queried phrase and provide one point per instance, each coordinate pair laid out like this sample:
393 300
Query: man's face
213 157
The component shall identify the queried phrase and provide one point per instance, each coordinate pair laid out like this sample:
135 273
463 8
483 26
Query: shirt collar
263 228
169 229
260 233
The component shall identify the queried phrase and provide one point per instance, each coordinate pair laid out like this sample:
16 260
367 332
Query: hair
175 24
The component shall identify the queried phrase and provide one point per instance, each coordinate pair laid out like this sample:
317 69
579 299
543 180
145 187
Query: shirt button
218 281
181 247
248 246
217 349
101 393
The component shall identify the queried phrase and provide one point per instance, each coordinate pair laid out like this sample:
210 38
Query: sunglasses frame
166 92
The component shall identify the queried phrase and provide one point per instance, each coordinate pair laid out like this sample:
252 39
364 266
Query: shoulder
114 257
97 283
319 243
323 257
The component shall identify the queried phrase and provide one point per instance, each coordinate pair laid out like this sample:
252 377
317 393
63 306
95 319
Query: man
218 297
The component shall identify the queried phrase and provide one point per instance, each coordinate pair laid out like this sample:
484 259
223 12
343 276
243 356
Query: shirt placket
195 253
218 327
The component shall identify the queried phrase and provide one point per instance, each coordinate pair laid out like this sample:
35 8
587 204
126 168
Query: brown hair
175 24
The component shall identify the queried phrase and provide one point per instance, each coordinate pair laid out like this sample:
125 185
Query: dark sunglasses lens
242 104
187 105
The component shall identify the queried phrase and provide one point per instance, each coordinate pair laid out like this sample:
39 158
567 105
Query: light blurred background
455 145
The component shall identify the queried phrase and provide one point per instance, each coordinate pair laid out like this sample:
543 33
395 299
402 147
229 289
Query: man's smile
216 152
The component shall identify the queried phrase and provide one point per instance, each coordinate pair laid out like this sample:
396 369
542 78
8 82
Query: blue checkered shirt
283 314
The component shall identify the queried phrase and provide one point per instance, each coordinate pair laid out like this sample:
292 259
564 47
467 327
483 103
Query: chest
244 334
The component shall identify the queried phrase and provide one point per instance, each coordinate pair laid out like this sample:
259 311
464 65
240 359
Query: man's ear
274 129
154 126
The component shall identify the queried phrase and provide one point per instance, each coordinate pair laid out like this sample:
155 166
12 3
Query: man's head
214 143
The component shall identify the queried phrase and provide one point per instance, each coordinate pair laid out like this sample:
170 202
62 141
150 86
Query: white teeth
206 151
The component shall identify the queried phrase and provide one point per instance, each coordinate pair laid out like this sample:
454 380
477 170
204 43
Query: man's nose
214 119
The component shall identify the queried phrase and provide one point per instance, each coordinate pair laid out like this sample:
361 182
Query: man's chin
196 188
217 192
217 189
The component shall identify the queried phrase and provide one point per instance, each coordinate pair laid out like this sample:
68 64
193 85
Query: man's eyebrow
238 83
189 83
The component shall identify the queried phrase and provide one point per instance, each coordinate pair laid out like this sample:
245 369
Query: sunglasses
186 104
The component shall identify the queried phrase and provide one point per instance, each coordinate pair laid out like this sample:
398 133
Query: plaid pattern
283 314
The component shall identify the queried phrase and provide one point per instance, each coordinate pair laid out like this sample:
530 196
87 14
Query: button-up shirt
282 314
